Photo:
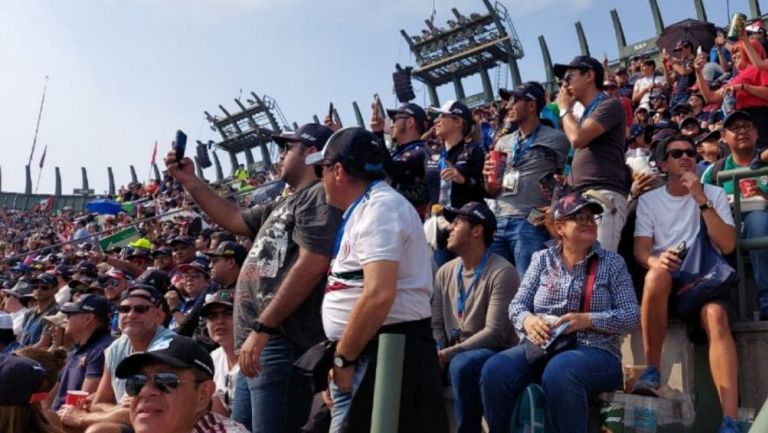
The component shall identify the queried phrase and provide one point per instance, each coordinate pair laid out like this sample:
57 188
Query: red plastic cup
499 159
745 185
76 398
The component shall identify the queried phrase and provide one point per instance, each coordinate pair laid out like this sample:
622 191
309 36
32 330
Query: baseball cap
621 71
178 351
155 278
81 285
63 271
682 43
20 379
221 297
118 274
689 121
162 251
194 265
87 268
143 291
582 63
88 303
681 107
736 115
454 108
186 240
58 319
531 91
475 211
409 109
354 147
22 289
309 134
139 252
142 243
706 136
571 203
45 278
230 249
6 328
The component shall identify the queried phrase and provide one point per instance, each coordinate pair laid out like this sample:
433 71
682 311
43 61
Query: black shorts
694 330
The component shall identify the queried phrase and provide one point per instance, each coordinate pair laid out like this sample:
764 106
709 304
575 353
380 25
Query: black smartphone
547 183
336 118
180 145
379 105
681 249
330 111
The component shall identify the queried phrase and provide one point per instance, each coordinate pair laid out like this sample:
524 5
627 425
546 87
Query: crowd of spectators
484 236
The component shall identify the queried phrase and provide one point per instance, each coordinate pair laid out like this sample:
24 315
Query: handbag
704 275
566 341
316 362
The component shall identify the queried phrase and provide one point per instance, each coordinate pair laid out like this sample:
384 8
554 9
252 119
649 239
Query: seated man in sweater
469 307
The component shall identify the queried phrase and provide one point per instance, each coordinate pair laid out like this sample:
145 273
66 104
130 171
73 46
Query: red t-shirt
755 77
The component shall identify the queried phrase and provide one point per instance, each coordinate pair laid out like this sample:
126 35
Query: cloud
530 7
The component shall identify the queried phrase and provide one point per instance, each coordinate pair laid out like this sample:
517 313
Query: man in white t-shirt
666 217
649 86
380 282
217 313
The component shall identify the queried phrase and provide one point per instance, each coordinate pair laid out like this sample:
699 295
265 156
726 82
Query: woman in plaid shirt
551 295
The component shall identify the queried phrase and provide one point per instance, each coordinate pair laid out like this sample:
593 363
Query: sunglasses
678 153
164 382
568 76
139 309
585 218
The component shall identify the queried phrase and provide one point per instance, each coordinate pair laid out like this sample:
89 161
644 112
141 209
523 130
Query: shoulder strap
717 168
589 285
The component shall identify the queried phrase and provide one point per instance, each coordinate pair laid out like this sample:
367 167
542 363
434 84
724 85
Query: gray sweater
485 323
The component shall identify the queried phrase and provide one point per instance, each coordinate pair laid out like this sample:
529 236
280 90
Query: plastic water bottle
445 186
729 102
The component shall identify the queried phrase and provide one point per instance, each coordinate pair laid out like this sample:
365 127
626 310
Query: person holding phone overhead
530 153
574 282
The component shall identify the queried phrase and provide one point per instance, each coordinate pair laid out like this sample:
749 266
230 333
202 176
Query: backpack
530 412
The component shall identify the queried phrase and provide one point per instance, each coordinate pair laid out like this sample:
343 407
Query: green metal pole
389 380
761 420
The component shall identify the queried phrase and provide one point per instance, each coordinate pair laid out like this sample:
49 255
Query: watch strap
260 327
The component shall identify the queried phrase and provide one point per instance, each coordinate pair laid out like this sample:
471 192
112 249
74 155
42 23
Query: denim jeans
755 225
279 398
342 400
464 371
569 379
516 240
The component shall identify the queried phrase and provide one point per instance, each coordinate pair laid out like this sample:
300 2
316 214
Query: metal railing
742 244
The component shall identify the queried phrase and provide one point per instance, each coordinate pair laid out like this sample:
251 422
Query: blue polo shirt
32 328
86 361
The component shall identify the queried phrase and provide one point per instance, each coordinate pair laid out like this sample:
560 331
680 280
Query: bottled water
445 192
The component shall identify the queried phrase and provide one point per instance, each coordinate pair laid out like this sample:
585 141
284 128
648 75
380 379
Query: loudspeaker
403 86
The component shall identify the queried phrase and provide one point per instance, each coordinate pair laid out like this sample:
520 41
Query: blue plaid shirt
548 288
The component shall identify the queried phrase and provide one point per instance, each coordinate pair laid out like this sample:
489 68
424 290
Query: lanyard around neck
591 107
461 297
348 213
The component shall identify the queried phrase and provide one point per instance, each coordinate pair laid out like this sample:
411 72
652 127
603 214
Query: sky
126 73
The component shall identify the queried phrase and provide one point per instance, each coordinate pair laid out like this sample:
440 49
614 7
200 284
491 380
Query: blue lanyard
591 107
347 214
442 163
461 297
405 149
517 152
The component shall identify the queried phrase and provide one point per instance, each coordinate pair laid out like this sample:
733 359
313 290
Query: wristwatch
565 112
260 327
707 205
341 362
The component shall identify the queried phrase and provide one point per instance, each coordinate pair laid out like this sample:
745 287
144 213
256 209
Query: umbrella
104 206
700 33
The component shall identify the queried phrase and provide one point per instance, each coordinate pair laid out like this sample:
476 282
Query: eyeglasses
112 282
164 382
739 127
568 76
678 153
585 218
139 309
192 276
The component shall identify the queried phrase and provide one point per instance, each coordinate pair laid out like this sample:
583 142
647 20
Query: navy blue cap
162 251
186 240
571 203
63 271
582 63
409 109
683 106
531 91
705 136
81 285
178 351
47 279
88 303
140 253
635 131
155 278
310 134
87 268
194 266
229 249
354 147
476 211
736 115
20 378
689 121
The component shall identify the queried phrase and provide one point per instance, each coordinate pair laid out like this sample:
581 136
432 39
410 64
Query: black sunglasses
678 153
139 309
164 382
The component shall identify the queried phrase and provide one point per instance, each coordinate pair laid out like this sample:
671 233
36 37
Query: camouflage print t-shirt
302 219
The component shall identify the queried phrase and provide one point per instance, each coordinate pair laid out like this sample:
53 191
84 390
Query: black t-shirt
468 158
601 164
302 219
